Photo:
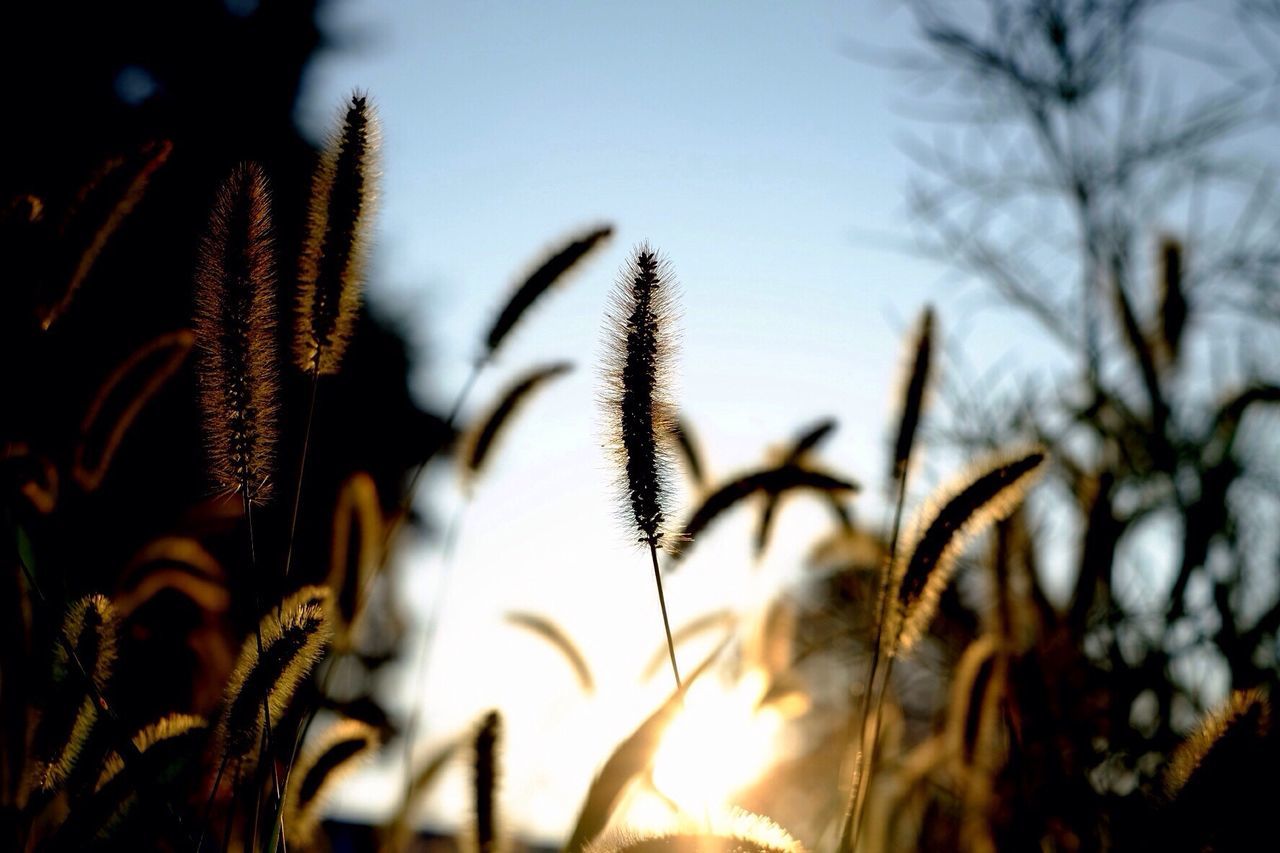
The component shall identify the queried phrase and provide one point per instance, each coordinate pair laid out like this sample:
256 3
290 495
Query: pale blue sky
742 140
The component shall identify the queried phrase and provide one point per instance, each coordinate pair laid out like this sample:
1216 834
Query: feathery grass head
356 547
683 439
331 267
480 440
100 207
556 637
639 408
550 271
913 394
88 642
730 831
342 746
292 644
920 577
121 397
1220 746
235 333
486 782
163 753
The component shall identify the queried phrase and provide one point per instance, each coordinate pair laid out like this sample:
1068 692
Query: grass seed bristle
1214 751
913 395
292 644
479 442
637 395
235 332
338 751
331 265
919 579
548 273
90 630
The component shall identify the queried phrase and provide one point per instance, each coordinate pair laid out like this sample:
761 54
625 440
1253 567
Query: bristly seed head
639 407
331 267
235 333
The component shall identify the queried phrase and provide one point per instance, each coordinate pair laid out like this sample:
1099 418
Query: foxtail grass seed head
1220 747
913 394
292 644
920 578
164 731
479 441
89 632
549 272
331 266
337 752
637 395
1173 297
235 334
486 782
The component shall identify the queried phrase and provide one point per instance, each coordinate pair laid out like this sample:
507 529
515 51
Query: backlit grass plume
485 778
556 637
235 333
97 212
913 396
163 754
479 442
331 266
335 753
550 271
637 394
731 831
83 661
771 482
1220 746
920 578
638 404
292 644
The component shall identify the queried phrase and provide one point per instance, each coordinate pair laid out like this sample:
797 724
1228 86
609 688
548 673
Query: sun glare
720 743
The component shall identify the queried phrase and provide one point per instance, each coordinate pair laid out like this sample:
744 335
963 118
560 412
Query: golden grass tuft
919 579
1213 752
336 752
119 401
913 395
478 443
292 644
88 641
163 730
357 543
235 332
331 265
549 272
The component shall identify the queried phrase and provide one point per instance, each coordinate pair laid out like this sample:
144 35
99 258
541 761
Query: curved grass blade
538 282
479 442
128 388
628 760
554 635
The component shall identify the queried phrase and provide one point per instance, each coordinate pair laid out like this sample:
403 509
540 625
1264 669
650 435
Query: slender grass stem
666 623
448 548
866 748
206 813
302 468
265 752
406 501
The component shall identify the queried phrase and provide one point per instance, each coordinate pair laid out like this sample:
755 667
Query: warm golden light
720 743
